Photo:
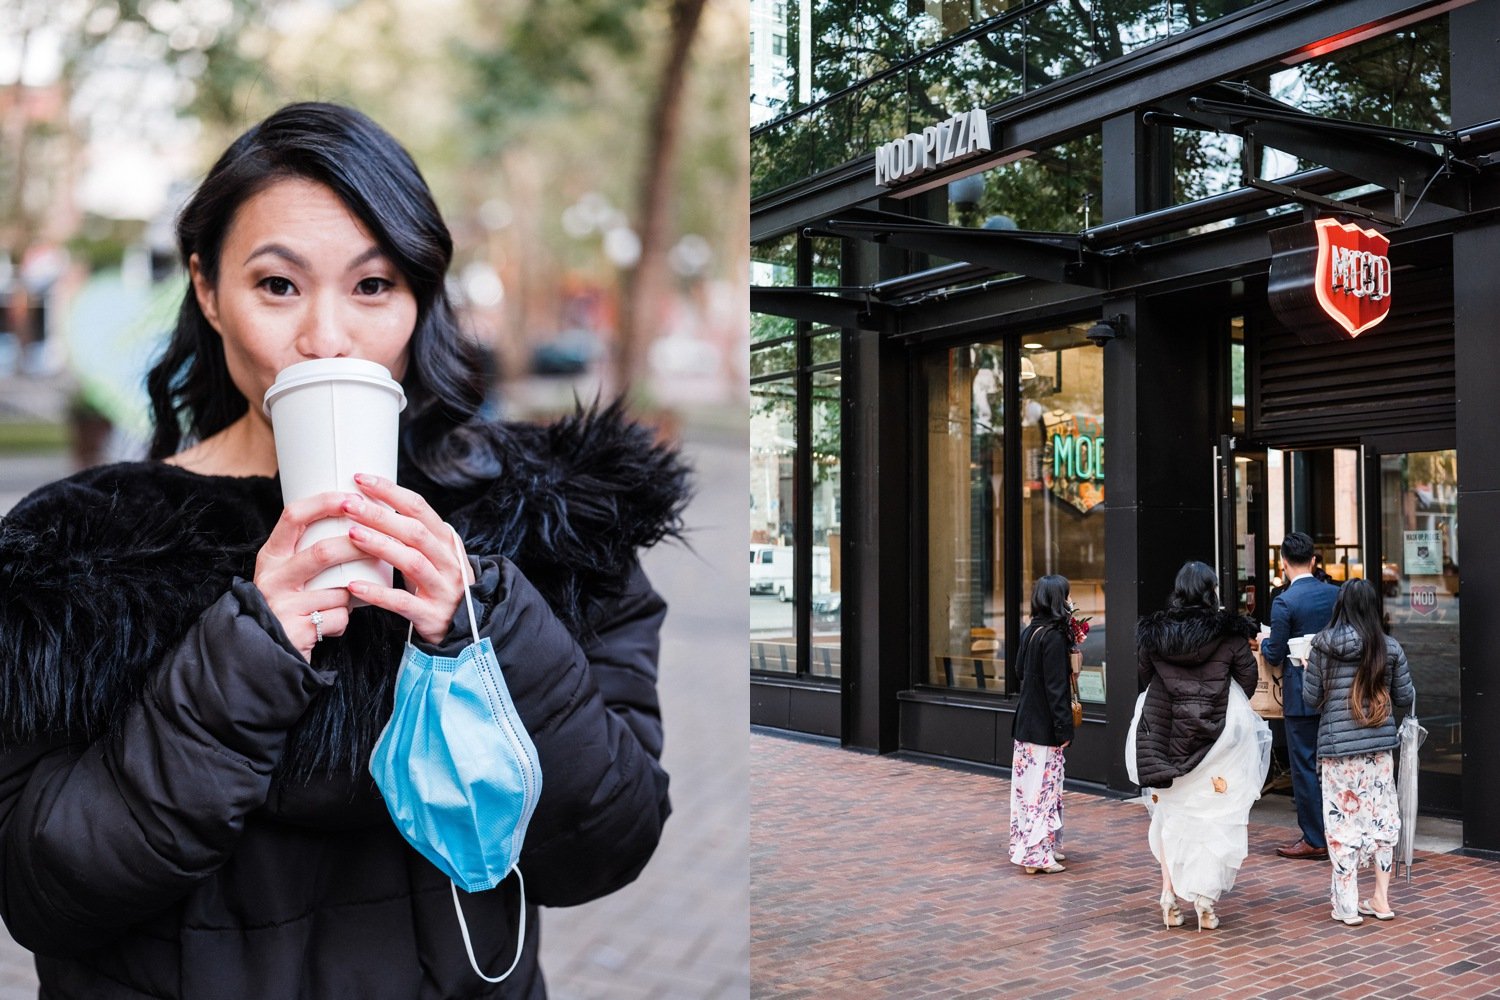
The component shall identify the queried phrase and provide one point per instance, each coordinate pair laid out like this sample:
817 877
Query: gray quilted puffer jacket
1328 680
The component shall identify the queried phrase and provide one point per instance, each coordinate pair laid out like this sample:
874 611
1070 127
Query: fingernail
357 533
358 586
364 479
354 504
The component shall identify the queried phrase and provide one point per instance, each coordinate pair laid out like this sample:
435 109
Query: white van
771 570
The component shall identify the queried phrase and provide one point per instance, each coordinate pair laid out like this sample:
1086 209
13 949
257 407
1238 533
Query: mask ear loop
463 927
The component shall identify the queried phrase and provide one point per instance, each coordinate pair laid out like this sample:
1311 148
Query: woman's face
301 278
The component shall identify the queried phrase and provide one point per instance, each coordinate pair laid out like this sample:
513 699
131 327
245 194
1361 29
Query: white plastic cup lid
333 370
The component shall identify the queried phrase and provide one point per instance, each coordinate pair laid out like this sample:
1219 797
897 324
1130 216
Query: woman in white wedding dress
1195 747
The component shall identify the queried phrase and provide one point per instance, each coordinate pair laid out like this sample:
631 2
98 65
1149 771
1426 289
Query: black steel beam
1393 165
815 305
1038 255
1222 50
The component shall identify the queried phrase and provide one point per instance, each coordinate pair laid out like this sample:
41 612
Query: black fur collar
1185 632
103 572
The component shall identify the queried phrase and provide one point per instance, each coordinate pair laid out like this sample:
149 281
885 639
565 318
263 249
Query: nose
323 332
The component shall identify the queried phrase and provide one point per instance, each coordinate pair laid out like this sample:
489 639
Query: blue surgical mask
458 770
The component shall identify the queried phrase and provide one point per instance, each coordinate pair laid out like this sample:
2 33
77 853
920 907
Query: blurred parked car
571 352
825 608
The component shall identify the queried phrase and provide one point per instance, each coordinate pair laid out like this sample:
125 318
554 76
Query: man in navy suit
1304 607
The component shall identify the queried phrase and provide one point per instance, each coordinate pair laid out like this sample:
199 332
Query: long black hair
1358 606
1196 587
1049 599
192 396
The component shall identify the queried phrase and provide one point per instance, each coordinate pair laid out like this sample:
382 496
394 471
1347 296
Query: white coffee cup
1299 647
334 417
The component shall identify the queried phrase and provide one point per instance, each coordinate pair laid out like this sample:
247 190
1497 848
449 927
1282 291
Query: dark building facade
1111 335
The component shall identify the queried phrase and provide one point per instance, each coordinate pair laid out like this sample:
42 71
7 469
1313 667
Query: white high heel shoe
1171 915
1206 916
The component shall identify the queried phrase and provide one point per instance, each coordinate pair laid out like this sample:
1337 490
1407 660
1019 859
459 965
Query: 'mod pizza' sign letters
1330 280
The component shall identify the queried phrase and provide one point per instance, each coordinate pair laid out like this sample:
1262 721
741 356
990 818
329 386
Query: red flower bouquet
1077 629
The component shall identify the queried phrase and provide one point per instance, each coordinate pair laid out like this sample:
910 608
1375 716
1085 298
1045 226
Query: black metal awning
1056 257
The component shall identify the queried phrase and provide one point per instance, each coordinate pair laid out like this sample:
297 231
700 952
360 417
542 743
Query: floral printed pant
1361 820
1036 783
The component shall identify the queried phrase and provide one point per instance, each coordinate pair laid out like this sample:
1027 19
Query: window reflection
825 608
1062 510
966 511
773 445
1059 386
1419 579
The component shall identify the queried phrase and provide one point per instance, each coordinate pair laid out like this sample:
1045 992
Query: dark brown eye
373 286
278 286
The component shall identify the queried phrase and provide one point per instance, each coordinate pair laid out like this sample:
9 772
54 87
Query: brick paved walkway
876 877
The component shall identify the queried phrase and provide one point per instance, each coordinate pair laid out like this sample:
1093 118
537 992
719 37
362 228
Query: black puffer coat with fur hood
1187 660
185 805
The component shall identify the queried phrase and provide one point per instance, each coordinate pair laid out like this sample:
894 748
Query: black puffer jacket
185 809
1044 710
1187 659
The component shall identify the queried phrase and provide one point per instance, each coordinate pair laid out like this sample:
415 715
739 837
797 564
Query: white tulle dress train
1199 823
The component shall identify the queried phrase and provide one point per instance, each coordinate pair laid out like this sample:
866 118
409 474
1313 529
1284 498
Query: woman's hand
411 537
281 572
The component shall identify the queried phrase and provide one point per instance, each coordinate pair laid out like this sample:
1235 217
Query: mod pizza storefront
1102 358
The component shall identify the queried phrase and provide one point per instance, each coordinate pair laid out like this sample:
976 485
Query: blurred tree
551 61
647 284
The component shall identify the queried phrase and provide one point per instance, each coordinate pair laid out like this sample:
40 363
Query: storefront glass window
1399 79
825 607
1059 387
855 74
966 518
1419 578
1063 487
773 263
773 447
1057 190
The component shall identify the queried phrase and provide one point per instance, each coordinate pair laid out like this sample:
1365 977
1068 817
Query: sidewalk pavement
878 877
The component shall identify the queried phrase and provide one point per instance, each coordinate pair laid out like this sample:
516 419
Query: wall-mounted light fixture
1108 329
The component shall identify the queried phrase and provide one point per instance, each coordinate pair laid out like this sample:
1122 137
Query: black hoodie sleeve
96 835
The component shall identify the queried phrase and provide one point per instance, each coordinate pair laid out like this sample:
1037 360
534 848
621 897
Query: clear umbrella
1409 737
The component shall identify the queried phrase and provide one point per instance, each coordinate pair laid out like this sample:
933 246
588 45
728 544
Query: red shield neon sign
1353 280
1330 280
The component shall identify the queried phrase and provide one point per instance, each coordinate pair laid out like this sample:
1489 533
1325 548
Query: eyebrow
286 253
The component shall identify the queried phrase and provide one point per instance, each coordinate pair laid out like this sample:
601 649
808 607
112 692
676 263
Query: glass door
1243 522
1265 494
1419 581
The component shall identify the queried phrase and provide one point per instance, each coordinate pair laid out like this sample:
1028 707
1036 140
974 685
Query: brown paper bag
1267 698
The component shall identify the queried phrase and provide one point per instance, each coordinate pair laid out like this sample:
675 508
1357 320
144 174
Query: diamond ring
317 620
